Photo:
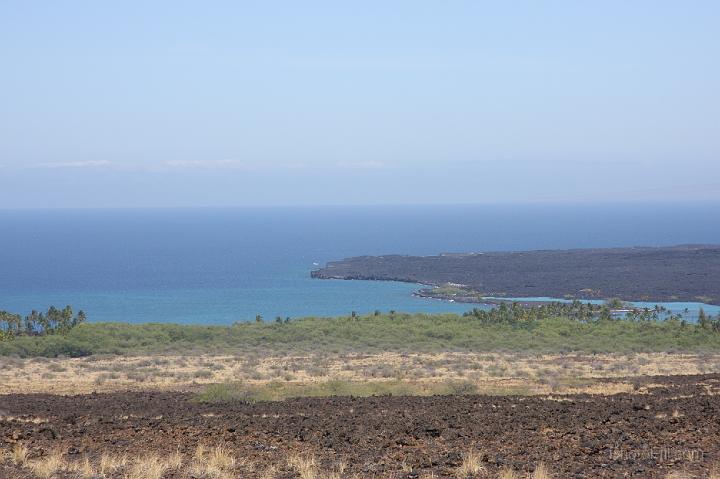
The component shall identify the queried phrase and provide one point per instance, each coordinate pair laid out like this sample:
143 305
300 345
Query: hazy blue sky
176 103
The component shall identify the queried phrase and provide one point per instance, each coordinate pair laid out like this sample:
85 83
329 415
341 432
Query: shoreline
675 274
474 297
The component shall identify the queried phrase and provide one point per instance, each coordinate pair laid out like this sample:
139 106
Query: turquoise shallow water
224 305
216 266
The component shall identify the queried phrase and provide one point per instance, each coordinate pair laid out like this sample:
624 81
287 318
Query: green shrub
396 332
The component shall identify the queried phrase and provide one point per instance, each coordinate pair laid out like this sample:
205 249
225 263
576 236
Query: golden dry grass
109 463
679 475
508 473
175 460
84 469
715 472
151 466
18 455
304 466
47 466
471 465
541 472
221 459
219 463
269 473
307 467
493 373
215 463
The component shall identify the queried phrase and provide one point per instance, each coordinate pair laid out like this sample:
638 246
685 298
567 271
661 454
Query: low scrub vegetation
550 328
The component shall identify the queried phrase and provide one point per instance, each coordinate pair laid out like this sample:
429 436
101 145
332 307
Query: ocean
217 266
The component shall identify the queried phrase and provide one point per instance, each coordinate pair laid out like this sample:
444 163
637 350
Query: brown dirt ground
669 424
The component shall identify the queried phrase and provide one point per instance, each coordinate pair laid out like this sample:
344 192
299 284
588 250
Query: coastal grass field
256 376
398 354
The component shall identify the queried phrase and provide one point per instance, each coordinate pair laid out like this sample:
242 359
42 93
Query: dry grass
715 472
307 467
151 466
219 458
216 463
269 473
46 467
18 455
304 466
541 472
108 464
508 473
84 469
493 373
471 465
219 463
679 475
175 460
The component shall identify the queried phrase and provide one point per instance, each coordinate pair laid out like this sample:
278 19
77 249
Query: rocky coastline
685 273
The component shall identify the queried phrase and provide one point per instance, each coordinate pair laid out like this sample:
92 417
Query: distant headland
685 273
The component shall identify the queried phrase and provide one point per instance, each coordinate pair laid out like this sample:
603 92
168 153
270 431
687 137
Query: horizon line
688 201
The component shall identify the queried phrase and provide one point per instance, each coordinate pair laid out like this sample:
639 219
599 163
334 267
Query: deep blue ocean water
216 266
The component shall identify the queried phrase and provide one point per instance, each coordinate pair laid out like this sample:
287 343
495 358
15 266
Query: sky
227 103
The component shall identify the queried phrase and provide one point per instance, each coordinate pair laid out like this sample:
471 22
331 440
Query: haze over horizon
250 104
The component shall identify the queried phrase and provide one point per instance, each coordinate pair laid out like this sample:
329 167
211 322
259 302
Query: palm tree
79 319
44 323
703 321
